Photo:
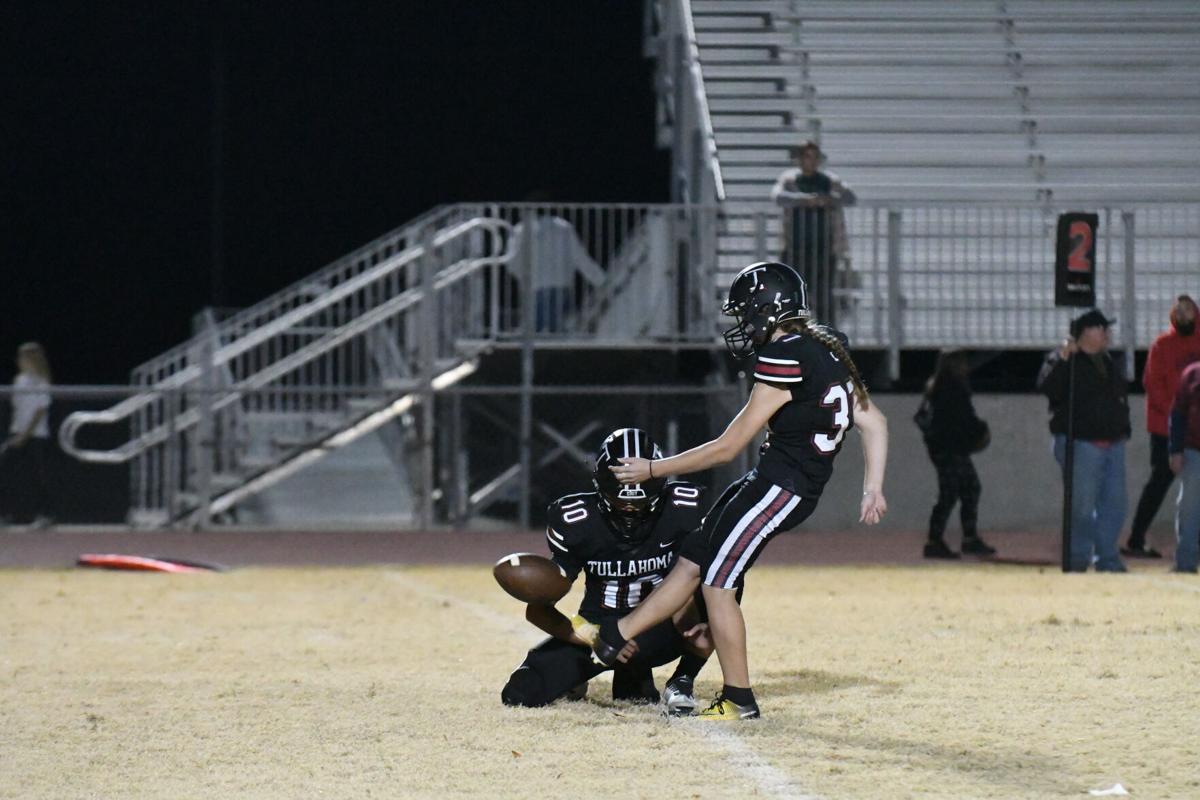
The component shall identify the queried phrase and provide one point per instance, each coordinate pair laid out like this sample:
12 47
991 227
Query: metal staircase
262 393
370 343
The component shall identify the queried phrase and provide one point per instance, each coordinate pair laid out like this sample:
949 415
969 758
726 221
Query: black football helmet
627 507
762 295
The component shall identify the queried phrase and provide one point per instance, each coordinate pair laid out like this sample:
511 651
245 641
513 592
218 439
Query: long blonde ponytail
827 337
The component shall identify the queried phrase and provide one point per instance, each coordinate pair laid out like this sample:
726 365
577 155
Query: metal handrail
701 96
246 316
123 410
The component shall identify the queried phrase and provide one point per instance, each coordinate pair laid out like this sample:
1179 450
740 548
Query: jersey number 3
836 397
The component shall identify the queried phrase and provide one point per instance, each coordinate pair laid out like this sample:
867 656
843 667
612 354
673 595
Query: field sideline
964 681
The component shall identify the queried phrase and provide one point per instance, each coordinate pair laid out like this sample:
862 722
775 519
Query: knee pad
524 688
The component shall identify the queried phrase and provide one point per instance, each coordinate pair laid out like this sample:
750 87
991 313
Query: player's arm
554 623
547 617
763 403
872 425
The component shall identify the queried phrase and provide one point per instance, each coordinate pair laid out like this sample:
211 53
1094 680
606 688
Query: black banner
1075 260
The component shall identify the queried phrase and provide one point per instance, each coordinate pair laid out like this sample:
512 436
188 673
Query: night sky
342 120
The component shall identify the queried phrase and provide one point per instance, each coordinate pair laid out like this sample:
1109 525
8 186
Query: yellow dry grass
955 682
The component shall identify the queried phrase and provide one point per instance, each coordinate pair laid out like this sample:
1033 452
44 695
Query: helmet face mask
627 507
762 295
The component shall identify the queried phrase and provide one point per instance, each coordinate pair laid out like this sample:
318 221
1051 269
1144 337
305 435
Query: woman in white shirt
27 449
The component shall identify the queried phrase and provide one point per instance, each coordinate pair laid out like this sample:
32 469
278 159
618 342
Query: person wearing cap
1170 354
814 227
1184 447
1101 428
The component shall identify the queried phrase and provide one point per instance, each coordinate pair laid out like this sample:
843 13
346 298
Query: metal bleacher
972 100
964 128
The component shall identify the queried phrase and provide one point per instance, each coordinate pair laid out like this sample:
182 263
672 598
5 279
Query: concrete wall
1022 487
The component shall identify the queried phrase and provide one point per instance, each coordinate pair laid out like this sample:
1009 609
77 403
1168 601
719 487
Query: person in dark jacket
1184 446
1101 428
952 432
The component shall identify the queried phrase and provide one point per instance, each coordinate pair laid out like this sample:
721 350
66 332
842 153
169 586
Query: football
531 578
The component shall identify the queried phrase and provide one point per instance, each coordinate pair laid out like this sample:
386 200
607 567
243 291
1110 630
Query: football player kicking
807 394
625 539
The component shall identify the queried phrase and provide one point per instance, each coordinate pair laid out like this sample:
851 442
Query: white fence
982 275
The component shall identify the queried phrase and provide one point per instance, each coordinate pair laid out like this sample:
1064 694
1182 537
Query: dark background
341 121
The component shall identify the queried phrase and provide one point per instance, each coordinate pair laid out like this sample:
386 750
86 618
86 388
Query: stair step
750 38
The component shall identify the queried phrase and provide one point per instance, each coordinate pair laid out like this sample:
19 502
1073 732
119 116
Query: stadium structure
441 357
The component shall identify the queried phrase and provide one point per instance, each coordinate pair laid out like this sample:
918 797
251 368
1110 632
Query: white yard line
771 781
1162 580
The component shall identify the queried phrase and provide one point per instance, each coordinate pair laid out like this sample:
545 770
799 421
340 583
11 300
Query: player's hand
632 470
1176 462
874 506
627 652
1068 349
699 637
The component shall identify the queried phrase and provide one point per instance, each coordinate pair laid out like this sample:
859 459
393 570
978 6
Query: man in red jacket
1171 352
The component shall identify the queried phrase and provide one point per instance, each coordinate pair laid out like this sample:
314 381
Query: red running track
58 549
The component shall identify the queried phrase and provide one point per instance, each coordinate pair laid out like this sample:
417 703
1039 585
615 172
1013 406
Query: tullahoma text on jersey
626 569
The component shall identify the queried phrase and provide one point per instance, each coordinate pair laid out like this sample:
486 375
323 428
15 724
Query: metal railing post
760 236
648 39
427 344
462 469
679 139
206 447
680 234
171 457
528 269
895 323
1129 309
875 299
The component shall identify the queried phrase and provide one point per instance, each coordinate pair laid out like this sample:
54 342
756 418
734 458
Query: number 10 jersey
807 432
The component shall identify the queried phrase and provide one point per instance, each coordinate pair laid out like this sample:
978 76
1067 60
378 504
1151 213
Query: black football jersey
620 575
805 435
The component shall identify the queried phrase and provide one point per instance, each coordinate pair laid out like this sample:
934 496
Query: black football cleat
678 698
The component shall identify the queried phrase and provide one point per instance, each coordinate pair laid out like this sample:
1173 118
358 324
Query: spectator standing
559 257
814 228
1170 354
1101 428
1184 447
27 449
952 432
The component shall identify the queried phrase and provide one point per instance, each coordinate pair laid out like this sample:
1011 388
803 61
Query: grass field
955 682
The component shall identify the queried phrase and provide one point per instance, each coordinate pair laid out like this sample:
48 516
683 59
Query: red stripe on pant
751 531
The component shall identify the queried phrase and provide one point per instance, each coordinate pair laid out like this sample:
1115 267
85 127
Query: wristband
651 468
